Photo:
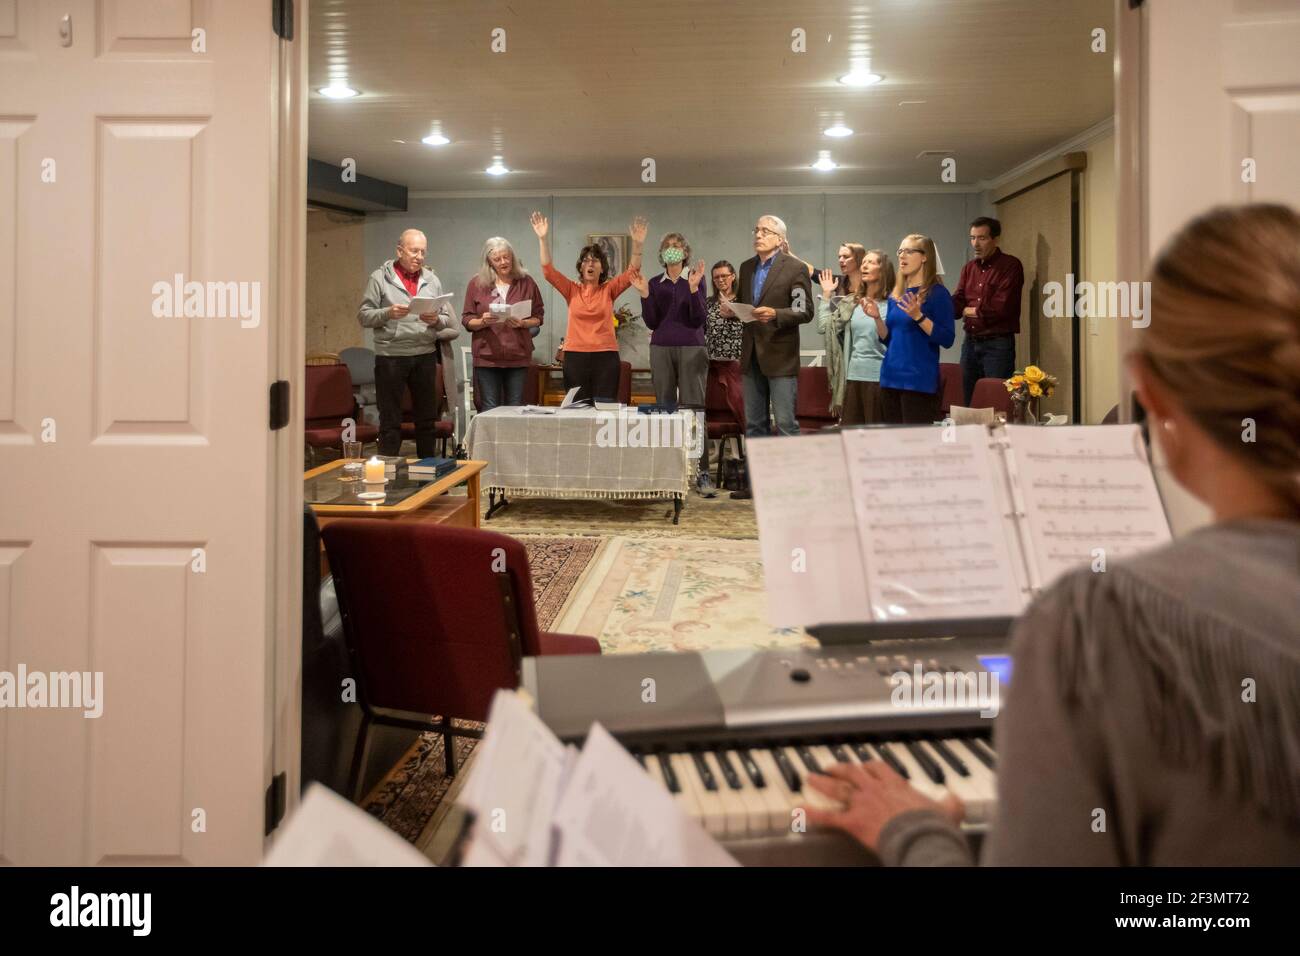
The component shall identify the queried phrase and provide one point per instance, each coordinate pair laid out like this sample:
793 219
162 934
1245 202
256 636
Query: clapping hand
638 228
869 307
696 276
911 304
640 283
540 224
827 279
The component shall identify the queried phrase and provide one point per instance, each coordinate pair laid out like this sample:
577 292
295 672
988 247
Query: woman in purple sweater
672 304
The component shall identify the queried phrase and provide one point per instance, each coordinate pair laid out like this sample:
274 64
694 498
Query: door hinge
279 404
282 18
275 797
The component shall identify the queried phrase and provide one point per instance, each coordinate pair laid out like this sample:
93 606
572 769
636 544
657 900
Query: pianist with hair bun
1154 717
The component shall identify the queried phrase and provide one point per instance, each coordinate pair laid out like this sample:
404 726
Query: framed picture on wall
617 249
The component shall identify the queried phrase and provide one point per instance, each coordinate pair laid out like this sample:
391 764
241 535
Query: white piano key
808 796
964 787
787 799
705 812
917 777
983 783
734 809
775 805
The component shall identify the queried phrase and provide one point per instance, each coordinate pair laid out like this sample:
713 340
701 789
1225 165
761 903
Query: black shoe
743 495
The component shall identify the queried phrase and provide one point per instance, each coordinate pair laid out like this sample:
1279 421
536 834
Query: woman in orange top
590 348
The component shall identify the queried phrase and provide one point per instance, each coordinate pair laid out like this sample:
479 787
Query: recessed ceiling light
824 162
337 92
911 102
402 141
860 78
497 168
435 139
838 130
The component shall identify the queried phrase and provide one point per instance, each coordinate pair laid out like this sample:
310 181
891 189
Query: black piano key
839 753
944 751
751 769
640 758
984 756
889 758
670 778
808 759
702 768
728 771
863 751
932 769
791 776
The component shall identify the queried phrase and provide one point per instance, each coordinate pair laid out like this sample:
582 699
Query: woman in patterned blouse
722 336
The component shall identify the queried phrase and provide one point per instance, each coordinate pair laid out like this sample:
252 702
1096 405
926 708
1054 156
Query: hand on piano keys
861 798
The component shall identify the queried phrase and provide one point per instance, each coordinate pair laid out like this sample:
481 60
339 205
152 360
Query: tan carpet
718 517
658 594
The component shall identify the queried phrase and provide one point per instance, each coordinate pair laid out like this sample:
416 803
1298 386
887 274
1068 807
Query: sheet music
327 830
613 813
1085 488
931 523
812 564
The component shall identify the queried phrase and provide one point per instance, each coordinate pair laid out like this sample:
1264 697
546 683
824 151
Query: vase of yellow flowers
1026 388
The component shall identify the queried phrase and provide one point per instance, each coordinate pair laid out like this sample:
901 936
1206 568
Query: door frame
1130 170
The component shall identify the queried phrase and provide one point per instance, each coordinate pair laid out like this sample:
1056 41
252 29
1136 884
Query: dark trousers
500 386
861 403
991 356
902 407
594 374
394 374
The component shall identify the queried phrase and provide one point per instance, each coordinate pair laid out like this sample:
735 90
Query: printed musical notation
921 492
1089 495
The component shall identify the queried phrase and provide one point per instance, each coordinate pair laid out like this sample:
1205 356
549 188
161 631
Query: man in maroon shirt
987 302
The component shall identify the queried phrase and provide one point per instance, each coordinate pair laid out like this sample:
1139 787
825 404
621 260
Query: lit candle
375 470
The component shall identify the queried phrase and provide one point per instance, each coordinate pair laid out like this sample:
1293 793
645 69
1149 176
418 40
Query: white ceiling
711 91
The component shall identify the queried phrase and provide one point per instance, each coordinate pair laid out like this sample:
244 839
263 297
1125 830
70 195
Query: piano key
839 752
670 778
917 777
949 757
971 795
735 810
785 766
807 796
929 766
982 755
983 783
863 752
728 769
705 773
692 799
888 756
823 756
784 800
751 768
755 785
805 756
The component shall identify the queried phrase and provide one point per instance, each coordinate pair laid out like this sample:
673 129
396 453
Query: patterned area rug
406 799
718 517
657 594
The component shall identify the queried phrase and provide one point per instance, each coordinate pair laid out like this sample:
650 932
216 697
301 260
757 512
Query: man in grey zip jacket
409 347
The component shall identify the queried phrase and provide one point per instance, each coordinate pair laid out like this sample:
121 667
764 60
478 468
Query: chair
991 393
951 390
724 410
437 640
327 401
1112 416
443 428
322 358
361 366
813 401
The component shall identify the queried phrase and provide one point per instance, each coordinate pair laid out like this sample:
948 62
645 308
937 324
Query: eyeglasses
719 276
586 259
908 252
764 231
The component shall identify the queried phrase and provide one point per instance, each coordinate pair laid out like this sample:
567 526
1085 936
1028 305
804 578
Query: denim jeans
759 391
993 356
500 386
394 374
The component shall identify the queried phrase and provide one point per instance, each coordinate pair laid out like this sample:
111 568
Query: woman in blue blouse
917 325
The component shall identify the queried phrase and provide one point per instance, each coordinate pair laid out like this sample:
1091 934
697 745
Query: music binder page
932 526
1087 491
812 565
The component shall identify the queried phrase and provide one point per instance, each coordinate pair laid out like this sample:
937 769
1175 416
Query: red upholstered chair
327 400
991 393
724 409
813 400
950 386
443 428
433 631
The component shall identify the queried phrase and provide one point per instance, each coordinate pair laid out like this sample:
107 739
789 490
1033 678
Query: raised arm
542 228
638 231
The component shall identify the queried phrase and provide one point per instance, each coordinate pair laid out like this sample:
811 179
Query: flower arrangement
623 315
1032 383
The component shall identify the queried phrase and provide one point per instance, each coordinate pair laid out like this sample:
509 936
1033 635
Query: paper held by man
740 310
425 304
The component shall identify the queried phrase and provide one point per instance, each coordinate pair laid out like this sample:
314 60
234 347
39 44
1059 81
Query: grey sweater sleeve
923 838
373 314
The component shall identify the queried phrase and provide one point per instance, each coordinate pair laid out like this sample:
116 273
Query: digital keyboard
733 735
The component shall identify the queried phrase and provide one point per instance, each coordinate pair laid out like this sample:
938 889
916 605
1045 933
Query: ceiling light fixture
839 130
337 91
860 78
435 139
824 162
497 168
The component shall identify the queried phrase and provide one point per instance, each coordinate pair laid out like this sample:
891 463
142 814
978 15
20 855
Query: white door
1212 115
138 503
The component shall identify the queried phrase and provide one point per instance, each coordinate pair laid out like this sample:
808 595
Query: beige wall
1097 236
336 277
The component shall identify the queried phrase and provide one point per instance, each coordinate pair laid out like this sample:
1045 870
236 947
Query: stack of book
427 469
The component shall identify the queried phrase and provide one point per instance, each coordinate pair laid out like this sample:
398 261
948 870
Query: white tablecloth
583 453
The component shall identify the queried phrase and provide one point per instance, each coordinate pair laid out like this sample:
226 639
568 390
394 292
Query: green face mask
672 254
